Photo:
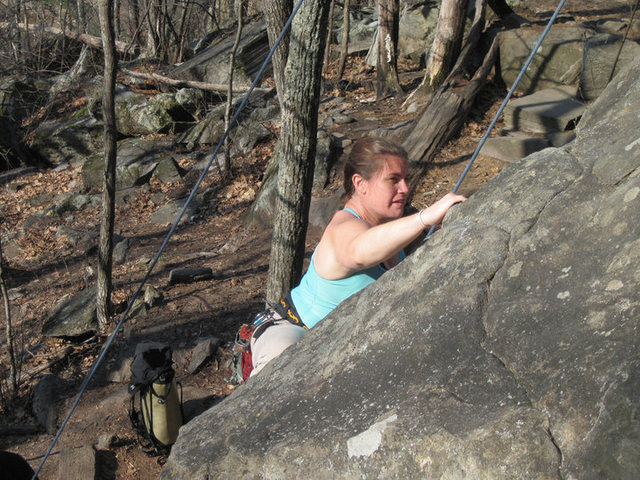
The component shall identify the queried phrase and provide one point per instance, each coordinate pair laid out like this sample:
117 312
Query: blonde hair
366 158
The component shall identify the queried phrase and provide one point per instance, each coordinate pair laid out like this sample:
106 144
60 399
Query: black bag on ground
160 413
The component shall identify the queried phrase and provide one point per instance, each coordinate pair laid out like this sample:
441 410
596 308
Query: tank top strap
352 212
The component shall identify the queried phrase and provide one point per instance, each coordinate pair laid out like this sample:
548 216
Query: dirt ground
53 268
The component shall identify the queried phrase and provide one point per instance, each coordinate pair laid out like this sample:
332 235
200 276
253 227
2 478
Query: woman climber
360 243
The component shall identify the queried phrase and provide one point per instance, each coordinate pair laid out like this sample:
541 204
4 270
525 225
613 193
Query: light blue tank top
315 297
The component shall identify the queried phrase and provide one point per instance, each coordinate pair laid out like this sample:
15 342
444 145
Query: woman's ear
359 183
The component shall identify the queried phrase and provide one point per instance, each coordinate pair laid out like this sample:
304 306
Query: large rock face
558 62
212 63
505 347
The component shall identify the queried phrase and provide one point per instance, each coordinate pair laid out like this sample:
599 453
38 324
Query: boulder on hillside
136 162
602 62
208 131
418 22
17 99
168 170
558 61
262 211
168 213
545 111
73 317
245 134
69 142
137 114
212 63
505 347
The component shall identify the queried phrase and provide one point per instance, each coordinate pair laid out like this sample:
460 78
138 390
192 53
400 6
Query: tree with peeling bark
445 52
387 63
297 146
448 107
105 253
445 48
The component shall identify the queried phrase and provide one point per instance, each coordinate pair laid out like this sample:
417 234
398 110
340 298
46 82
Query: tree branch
444 116
213 87
92 41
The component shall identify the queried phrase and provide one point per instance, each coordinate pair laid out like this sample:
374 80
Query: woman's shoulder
342 220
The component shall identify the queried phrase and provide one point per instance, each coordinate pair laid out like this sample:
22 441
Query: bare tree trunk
387 64
82 16
327 47
240 7
26 47
213 21
65 82
105 258
13 367
344 48
277 13
153 39
445 48
471 42
444 116
136 39
16 44
297 146
182 39
116 18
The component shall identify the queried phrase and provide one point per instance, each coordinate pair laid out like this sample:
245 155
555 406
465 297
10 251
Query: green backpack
160 414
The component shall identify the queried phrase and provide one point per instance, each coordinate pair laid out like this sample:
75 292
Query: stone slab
559 139
512 148
78 463
553 109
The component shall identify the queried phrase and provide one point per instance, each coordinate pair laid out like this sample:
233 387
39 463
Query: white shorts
273 341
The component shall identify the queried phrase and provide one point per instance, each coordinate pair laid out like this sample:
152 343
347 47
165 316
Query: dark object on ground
14 467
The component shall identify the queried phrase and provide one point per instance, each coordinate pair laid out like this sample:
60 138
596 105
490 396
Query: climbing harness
504 104
153 263
242 361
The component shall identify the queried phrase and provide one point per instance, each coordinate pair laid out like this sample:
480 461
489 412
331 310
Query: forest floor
53 269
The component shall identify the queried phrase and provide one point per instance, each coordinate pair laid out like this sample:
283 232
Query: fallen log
57 359
91 40
19 430
444 116
212 87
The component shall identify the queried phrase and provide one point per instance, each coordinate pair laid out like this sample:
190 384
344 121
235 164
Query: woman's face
386 191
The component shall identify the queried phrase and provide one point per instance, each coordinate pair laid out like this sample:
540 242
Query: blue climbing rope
504 104
153 263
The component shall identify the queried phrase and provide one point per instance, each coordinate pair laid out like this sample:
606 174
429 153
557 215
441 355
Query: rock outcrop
505 347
